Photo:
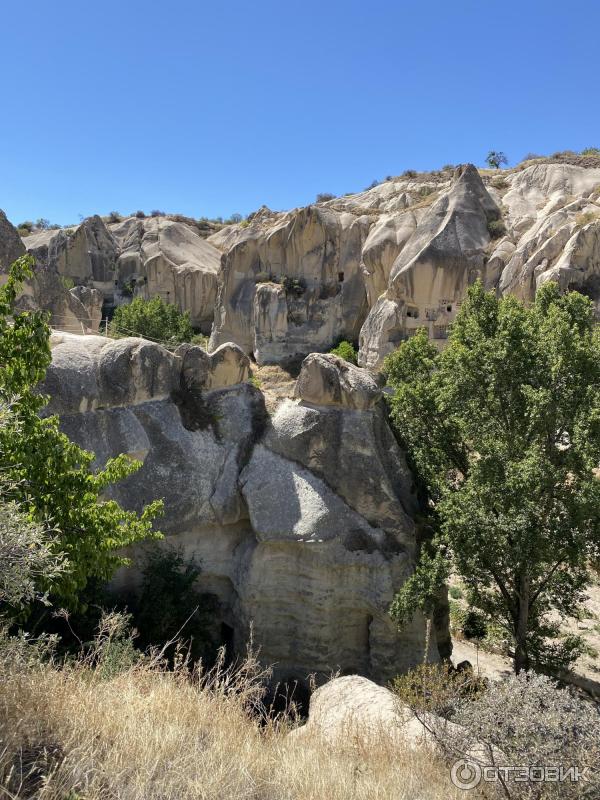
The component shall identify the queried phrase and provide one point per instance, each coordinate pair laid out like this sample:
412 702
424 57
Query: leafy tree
153 319
50 477
495 158
503 428
345 350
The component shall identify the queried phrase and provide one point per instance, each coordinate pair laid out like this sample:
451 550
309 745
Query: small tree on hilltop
50 478
503 428
495 158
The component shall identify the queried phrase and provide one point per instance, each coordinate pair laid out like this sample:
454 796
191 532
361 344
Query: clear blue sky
214 108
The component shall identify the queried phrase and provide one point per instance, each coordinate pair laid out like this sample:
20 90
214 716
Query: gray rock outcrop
303 521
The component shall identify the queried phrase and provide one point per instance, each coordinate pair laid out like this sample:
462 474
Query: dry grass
70 732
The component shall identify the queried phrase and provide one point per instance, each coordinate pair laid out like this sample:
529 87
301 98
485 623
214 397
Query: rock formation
303 521
371 267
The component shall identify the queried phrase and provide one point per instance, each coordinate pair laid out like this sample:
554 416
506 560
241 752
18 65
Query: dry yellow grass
146 733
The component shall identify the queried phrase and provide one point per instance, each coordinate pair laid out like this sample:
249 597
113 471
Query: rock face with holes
372 267
291 283
303 520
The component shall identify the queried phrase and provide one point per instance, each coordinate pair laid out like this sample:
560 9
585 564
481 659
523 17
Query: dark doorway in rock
291 695
341 277
227 641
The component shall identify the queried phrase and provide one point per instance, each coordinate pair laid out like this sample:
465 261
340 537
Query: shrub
530 157
199 340
152 319
26 554
234 219
26 226
455 592
294 286
50 477
140 215
409 173
528 721
436 688
496 228
591 151
345 350
585 218
67 282
114 216
448 167
156 213
372 185
500 183
323 197
170 606
42 224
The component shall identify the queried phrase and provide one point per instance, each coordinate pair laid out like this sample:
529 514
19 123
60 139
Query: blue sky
214 108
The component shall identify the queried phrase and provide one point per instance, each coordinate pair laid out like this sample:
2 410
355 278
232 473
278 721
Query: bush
496 228
293 286
26 554
140 215
409 173
591 151
26 226
528 721
500 183
152 319
323 197
584 219
437 688
114 216
170 606
346 351
157 213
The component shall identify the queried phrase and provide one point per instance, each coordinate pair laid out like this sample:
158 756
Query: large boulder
354 711
329 380
11 246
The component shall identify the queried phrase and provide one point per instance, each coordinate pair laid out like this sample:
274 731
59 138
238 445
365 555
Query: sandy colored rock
326 379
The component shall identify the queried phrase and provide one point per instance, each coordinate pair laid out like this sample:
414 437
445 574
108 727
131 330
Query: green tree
50 477
495 158
345 350
503 428
153 319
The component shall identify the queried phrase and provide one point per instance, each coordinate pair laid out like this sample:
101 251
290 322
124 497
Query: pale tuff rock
353 711
303 523
167 259
46 289
225 366
372 267
431 274
319 251
329 380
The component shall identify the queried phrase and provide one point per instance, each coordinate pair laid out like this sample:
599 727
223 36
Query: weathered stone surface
308 557
354 710
90 372
226 366
11 246
329 380
167 259
434 268
318 247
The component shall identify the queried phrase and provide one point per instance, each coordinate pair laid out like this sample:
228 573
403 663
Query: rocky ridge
371 267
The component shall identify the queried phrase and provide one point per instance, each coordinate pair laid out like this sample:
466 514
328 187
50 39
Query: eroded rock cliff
303 520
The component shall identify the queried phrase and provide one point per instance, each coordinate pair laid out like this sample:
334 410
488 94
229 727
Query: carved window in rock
431 314
440 331
412 312
340 277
